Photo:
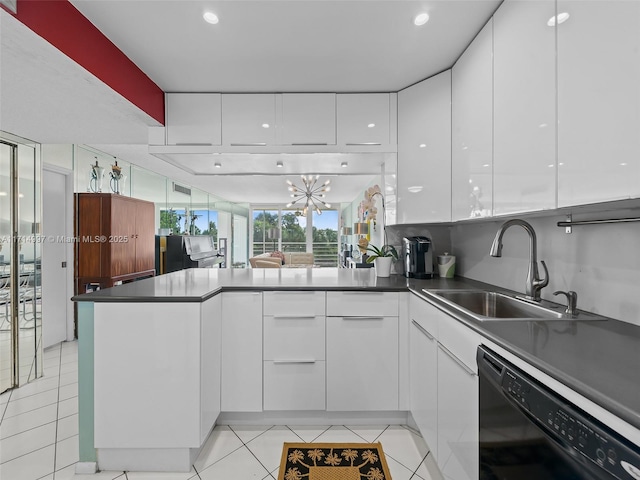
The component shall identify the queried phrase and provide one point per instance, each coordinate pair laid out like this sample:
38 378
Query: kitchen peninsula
163 359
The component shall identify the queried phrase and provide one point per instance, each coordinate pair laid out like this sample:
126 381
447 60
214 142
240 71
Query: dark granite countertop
598 359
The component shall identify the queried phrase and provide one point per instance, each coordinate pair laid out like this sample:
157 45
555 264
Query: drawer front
424 314
294 386
294 303
459 340
362 304
294 338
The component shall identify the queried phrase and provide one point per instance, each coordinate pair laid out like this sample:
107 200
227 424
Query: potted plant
382 258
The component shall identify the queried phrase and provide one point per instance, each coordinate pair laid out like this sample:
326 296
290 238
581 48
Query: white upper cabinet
249 119
598 101
524 170
308 119
193 119
424 151
363 118
472 129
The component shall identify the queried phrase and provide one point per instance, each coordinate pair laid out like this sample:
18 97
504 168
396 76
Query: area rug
333 461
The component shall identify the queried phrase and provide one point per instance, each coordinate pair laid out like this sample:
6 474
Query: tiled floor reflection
39 437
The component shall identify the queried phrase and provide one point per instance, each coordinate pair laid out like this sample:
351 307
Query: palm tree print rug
333 461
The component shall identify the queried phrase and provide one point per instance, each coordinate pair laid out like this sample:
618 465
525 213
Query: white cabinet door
598 101
194 119
362 363
423 371
248 119
210 364
294 385
308 118
472 129
524 159
241 352
363 118
424 151
458 420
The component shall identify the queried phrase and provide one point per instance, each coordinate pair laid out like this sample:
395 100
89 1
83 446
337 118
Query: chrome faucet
534 282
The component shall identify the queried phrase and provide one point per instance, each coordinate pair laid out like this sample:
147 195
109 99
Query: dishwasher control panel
571 427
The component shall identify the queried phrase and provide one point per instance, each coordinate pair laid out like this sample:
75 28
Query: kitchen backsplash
599 262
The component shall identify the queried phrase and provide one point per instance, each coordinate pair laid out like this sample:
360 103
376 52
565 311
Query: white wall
599 262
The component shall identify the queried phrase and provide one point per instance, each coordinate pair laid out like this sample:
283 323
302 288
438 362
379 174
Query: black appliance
528 431
418 257
190 251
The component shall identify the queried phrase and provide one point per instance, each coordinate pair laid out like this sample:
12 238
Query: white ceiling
258 46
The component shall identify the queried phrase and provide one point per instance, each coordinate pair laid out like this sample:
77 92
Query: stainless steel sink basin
497 305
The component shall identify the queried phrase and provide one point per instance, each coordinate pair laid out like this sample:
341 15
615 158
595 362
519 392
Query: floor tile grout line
254 456
415 473
27 430
29 453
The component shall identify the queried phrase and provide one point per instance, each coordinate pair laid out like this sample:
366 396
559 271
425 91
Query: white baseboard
86 468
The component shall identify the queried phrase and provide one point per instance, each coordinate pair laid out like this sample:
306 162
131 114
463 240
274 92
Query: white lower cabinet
241 381
294 351
457 418
362 363
444 388
423 371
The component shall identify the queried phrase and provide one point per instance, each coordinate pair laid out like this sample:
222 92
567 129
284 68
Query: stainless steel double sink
485 305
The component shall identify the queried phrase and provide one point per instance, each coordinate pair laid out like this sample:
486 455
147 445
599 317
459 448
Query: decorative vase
382 266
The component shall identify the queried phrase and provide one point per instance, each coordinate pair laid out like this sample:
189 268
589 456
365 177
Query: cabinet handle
311 143
422 329
362 317
251 144
364 143
456 359
281 362
295 316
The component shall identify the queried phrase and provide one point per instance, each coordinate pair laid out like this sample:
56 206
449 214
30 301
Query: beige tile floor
39 437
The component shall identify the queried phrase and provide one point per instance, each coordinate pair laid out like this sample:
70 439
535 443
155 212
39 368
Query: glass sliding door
20 260
325 238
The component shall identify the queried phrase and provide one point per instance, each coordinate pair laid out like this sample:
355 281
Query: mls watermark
22 239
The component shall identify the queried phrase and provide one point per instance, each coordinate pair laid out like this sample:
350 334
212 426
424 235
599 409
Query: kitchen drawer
362 304
459 340
294 303
424 314
289 337
294 385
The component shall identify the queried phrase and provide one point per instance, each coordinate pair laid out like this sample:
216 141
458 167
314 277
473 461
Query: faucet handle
572 301
539 282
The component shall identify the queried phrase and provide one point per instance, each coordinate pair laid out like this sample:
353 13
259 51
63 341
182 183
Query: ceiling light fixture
210 17
279 164
421 19
265 125
344 164
217 165
558 19
371 125
311 194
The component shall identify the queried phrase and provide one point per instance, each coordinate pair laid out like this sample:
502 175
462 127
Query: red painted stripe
64 27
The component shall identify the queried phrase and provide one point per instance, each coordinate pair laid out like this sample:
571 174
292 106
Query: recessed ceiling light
558 19
3 194
421 19
279 164
371 125
415 188
217 165
344 164
265 125
210 17
422 145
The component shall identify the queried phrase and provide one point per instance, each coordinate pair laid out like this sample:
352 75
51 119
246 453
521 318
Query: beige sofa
291 259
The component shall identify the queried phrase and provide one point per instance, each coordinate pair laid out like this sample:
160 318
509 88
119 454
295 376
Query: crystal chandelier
312 194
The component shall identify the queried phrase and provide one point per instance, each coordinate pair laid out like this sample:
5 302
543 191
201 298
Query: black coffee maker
418 257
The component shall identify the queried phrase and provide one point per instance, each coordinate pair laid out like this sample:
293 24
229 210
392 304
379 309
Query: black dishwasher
529 432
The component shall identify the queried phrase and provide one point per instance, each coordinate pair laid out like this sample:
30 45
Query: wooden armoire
115 239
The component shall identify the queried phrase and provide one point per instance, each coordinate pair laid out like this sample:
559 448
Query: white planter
382 266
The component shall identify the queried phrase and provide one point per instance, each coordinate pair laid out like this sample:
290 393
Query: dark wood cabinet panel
115 239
